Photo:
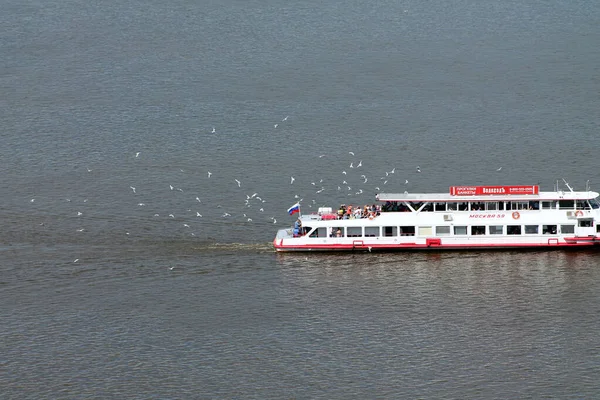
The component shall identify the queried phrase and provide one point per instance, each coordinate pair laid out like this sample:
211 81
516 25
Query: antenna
587 185
567 184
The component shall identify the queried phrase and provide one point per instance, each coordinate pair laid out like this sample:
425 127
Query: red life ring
579 213
516 215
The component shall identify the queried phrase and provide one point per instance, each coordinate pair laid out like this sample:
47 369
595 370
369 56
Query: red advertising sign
491 190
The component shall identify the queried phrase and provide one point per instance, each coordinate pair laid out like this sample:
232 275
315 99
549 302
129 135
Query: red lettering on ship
486 215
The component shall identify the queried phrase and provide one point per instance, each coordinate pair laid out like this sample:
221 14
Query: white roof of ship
566 195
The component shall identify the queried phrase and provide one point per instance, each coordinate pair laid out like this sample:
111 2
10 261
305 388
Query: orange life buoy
516 215
578 213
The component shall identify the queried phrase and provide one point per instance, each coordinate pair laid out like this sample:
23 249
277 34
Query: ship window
477 206
478 230
371 231
517 205
463 207
428 207
442 230
416 204
440 206
534 205
549 205
585 223
390 231
597 228
407 231
492 205
594 203
425 231
549 229
567 229
452 206
319 232
513 230
496 229
337 232
460 230
354 231
582 205
531 229
566 204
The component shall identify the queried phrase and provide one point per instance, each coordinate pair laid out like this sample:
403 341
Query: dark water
107 292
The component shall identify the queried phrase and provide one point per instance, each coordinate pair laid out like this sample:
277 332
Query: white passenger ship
468 217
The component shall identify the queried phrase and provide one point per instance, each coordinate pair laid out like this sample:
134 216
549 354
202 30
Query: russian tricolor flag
294 209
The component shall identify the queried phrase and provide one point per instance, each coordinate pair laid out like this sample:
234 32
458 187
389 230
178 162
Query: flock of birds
353 180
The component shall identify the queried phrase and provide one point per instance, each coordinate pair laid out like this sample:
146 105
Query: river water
148 152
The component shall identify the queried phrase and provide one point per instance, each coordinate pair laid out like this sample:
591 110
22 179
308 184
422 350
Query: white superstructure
468 217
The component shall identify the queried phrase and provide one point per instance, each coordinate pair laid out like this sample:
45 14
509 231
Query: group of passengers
351 212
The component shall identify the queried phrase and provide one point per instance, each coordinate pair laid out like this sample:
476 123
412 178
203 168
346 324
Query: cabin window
531 229
319 232
566 204
549 205
517 205
534 205
425 231
567 229
595 204
597 228
513 230
463 206
549 229
416 205
390 231
496 229
442 230
585 223
407 231
440 206
354 231
371 231
337 232
478 230
452 206
460 230
477 206
428 207
582 205
491 205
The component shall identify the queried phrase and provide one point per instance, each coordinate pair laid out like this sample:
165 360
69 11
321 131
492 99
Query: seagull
132 188
406 182
141 204
75 260
89 170
285 119
292 180
171 215
351 165
137 154
79 213
226 215
322 155
377 188
262 210
418 169
171 268
238 183
351 153
186 225
274 221
213 130
249 219
32 200
198 199
499 169
171 186
344 172
80 230
393 170
198 214
370 248
275 126
359 164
